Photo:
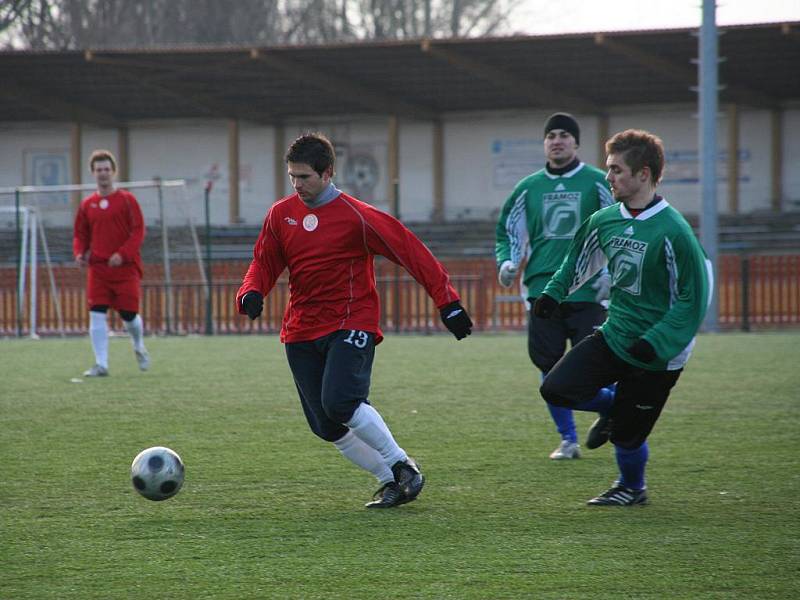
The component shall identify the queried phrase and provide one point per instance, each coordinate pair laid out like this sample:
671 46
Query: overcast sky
571 16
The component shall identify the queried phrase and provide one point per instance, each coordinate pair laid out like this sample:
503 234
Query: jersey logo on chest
561 212
625 264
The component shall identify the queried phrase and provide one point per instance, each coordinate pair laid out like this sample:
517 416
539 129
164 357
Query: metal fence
755 292
758 292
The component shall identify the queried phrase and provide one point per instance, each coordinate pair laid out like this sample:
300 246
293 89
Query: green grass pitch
270 511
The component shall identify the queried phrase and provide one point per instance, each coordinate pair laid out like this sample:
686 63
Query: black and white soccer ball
157 473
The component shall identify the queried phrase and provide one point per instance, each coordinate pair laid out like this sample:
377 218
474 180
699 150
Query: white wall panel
36 154
257 171
484 155
196 151
791 159
416 170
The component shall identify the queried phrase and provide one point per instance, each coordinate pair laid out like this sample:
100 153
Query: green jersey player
536 225
661 283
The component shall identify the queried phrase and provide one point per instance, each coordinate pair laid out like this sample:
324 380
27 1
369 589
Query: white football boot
143 358
96 371
567 450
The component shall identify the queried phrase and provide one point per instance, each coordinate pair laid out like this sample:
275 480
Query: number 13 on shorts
357 338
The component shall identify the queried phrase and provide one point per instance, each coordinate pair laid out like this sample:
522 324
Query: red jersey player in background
328 241
109 230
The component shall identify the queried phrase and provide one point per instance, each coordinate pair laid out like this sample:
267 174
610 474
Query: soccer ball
157 473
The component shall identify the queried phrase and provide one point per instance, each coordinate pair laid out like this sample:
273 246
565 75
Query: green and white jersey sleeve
540 218
661 280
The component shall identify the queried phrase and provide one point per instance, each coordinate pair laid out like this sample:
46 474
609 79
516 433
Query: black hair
313 149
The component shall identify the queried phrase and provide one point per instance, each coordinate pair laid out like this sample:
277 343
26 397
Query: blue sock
631 465
565 422
602 402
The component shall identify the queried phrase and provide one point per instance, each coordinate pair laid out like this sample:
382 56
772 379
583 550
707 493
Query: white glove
507 274
603 286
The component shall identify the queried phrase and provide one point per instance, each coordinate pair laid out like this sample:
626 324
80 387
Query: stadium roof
584 73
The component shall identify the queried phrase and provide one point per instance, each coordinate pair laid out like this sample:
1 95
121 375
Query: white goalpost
34 208
32 230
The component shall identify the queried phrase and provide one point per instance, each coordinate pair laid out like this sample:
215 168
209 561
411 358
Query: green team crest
561 212
626 264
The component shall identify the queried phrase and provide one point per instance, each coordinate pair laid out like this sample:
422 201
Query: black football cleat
599 432
387 496
409 478
619 496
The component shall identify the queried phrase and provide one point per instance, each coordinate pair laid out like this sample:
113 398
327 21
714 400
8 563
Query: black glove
642 350
564 311
456 319
253 304
545 306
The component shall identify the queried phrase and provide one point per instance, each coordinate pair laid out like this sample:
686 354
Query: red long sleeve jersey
108 224
329 252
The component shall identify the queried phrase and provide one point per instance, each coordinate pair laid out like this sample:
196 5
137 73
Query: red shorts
120 292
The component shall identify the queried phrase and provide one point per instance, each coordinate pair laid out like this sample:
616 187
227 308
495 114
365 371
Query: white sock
368 425
135 328
361 455
98 332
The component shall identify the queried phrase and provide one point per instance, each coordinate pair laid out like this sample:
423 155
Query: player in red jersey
108 234
328 241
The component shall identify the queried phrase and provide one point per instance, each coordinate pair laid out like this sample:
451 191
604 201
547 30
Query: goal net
43 290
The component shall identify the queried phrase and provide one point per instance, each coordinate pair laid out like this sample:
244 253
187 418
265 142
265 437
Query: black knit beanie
563 121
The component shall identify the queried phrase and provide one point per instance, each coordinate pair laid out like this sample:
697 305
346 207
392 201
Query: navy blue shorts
332 375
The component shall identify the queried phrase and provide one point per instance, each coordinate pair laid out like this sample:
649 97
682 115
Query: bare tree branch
79 24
